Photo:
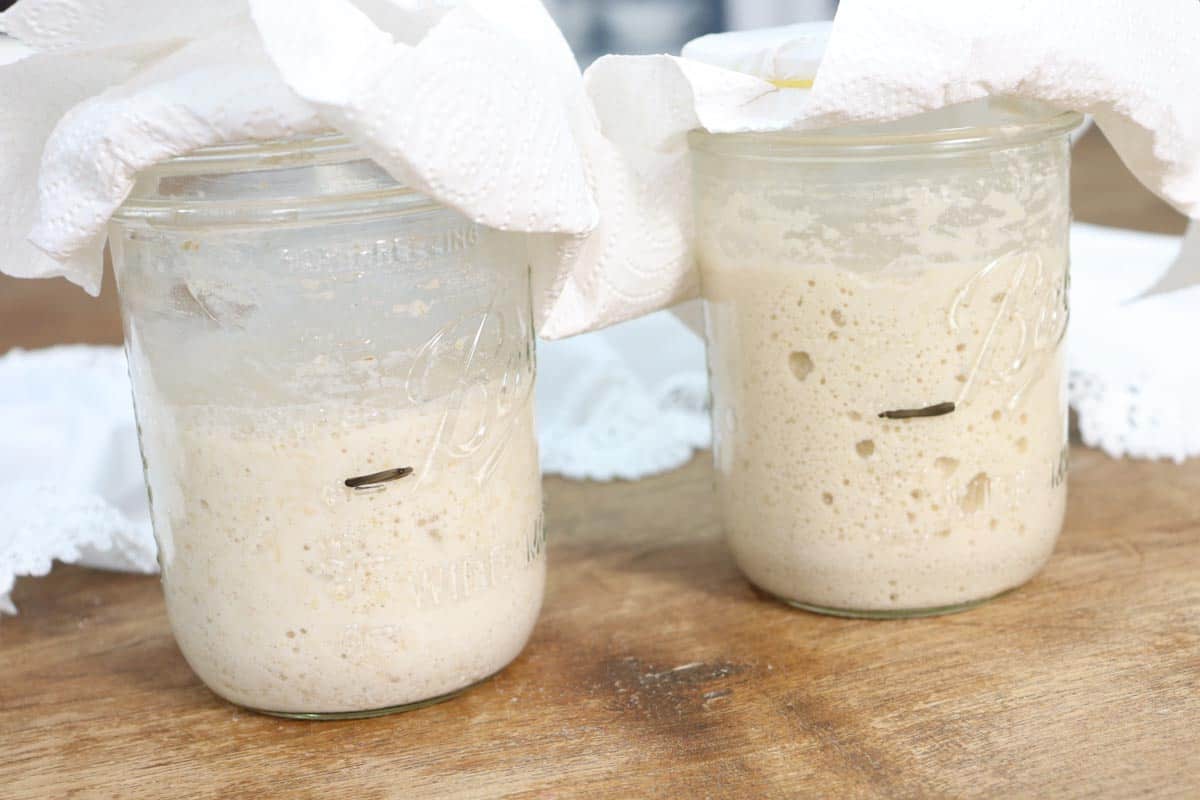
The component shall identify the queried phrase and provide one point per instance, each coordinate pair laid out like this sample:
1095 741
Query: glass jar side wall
885 349
337 425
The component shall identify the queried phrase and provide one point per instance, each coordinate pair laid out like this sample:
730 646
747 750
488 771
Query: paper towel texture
1131 66
35 92
479 104
66 25
179 102
788 53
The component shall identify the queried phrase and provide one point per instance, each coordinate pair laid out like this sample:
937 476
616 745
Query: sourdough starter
290 592
846 286
825 502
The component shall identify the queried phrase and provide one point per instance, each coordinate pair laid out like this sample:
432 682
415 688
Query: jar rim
1005 122
312 178
322 147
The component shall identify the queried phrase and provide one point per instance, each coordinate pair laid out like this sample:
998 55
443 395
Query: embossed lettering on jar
333 378
885 310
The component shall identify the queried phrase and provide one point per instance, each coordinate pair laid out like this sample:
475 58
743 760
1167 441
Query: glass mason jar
333 378
885 309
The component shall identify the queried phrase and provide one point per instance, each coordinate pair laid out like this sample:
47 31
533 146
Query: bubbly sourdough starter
289 592
826 503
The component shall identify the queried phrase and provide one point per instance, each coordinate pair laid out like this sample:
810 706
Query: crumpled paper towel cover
473 104
479 103
788 56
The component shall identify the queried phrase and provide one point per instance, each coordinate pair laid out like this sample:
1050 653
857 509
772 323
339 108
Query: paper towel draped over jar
480 104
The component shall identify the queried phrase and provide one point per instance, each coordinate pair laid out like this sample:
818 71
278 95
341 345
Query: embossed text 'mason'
409 251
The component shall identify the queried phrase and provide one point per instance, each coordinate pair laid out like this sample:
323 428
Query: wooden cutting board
656 671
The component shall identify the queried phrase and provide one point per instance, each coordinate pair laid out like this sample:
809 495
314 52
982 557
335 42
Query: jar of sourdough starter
885 311
333 377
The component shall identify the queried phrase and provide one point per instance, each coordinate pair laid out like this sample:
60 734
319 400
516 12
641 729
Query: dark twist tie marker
911 413
377 479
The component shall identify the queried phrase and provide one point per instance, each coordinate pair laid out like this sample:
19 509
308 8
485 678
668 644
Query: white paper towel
175 103
479 103
787 53
475 104
65 25
1133 69
492 135
1132 66
35 92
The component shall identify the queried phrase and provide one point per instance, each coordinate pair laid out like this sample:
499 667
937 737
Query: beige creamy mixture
289 591
829 504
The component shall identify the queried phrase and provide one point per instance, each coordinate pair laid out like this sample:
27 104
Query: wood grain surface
655 670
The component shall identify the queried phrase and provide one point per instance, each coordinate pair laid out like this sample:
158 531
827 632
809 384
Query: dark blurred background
596 27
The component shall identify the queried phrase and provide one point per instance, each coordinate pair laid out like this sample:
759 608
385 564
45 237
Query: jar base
892 613
332 716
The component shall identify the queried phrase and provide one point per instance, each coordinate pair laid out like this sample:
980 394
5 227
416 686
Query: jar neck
303 180
989 124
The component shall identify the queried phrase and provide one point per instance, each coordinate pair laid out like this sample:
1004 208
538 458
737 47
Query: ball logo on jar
1015 310
479 370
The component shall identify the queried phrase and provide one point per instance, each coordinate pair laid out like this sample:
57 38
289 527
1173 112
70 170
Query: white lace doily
625 402
1135 372
71 477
